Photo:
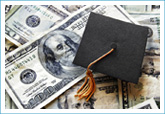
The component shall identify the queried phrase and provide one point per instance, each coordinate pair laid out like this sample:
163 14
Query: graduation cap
111 47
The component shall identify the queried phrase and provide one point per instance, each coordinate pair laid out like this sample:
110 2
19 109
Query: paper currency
9 104
141 8
43 68
148 104
133 94
24 23
137 8
105 97
149 83
70 8
9 46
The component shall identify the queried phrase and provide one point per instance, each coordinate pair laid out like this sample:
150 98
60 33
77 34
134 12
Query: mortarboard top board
100 35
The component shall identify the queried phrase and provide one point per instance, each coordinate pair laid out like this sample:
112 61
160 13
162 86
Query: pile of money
41 44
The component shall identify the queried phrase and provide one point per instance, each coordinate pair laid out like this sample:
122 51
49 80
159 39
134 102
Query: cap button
113 45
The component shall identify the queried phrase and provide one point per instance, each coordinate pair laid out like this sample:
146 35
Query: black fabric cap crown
126 60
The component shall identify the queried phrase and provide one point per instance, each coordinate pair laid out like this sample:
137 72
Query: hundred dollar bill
105 97
9 46
26 22
43 68
149 83
148 104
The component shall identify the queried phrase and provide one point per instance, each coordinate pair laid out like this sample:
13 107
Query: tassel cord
89 87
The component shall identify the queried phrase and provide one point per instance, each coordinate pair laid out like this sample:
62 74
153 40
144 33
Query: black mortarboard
100 35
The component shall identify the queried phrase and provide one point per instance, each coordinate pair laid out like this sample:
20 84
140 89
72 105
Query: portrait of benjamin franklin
57 51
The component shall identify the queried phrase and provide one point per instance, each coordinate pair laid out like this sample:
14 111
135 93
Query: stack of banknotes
41 43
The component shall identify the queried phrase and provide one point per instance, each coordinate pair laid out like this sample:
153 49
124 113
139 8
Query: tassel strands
89 87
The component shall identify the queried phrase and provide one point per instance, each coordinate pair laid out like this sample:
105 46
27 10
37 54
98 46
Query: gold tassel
89 87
